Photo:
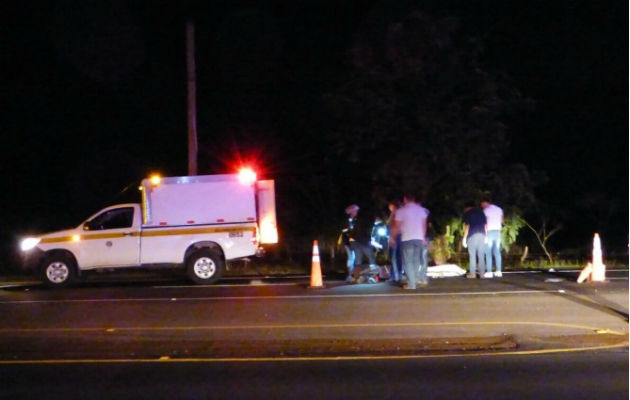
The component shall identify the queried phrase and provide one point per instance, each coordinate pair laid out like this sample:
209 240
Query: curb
314 350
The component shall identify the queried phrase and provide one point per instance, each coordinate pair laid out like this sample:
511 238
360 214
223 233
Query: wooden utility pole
192 99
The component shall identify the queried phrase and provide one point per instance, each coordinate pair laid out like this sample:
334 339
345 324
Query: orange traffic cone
594 271
599 269
316 269
586 273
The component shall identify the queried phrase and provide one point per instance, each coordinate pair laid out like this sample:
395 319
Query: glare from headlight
29 243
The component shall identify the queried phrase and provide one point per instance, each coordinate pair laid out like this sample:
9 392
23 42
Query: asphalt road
574 375
266 338
173 319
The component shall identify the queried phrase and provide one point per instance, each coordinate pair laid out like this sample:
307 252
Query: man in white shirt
494 218
424 253
411 223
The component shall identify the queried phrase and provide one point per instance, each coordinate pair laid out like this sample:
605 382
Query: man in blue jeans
411 223
474 239
494 218
424 252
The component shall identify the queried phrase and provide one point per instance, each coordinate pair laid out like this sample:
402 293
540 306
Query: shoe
498 274
349 278
471 276
488 275
423 283
406 287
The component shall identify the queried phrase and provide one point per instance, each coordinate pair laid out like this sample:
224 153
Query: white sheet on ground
445 271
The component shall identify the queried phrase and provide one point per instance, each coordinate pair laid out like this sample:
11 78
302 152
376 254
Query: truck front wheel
58 270
205 266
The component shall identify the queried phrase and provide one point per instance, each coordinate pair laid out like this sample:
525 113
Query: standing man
494 220
424 252
360 237
394 247
411 223
475 239
344 239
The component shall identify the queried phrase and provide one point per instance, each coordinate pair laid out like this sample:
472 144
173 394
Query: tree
420 101
543 234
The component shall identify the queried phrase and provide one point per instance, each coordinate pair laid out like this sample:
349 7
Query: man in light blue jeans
494 217
411 250
411 223
493 248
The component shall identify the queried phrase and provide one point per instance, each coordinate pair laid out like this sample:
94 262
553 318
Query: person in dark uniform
360 238
344 239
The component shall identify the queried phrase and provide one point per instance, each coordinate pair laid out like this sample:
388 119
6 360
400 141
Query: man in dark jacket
360 237
475 228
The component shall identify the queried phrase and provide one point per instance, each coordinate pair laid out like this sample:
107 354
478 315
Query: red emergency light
246 176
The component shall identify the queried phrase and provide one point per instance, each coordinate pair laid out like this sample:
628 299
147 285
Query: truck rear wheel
205 267
58 270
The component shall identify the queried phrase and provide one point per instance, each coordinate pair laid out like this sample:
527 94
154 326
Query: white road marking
579 270
285 297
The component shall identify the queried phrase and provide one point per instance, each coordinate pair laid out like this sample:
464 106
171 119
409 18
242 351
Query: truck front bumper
32 259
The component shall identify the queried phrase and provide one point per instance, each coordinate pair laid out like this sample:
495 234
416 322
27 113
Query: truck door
112 238
266 200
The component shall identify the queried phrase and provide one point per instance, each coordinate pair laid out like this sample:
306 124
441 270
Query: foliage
511 226
420 98
417 112
555 264
456 226
446 245
442 246
543 234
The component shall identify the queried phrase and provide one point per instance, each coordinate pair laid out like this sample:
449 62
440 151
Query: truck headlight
29 243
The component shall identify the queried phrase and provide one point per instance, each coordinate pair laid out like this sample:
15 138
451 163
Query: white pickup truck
198 222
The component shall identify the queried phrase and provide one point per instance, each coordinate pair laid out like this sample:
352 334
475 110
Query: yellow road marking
310 326
317 358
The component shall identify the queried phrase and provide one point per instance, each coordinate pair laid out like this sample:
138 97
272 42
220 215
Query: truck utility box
199 222
197 200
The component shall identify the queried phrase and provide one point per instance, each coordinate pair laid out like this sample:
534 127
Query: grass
261 267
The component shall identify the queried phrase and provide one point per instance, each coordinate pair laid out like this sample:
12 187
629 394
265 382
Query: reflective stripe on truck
150 232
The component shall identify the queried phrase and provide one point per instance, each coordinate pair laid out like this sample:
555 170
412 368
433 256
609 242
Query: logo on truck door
236 234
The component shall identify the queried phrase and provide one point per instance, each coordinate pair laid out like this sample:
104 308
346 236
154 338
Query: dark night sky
95 92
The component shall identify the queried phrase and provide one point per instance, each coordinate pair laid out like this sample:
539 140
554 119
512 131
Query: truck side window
113 219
